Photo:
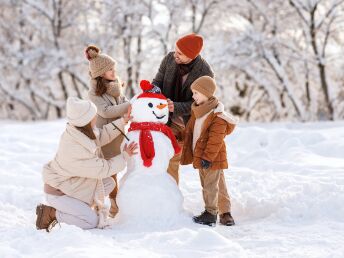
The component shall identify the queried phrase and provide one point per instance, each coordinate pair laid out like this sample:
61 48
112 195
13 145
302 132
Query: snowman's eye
150 105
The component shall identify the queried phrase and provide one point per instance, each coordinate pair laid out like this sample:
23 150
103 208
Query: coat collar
82 139
218 111
194 73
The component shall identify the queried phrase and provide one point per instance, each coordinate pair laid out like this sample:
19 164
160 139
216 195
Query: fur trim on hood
220 111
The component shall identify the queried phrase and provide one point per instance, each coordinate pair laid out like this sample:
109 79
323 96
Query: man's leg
173 166
112 197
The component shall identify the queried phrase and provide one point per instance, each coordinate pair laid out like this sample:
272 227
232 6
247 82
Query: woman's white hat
80 112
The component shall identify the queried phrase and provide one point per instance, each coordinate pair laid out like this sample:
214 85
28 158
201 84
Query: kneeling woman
77 180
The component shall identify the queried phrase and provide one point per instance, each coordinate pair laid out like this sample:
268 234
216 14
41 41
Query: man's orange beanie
190 45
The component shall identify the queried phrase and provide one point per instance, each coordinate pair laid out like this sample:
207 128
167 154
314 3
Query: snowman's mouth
158 117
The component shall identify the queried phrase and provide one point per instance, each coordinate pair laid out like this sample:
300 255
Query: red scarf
146 140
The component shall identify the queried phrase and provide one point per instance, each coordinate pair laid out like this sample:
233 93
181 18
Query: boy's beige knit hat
99 63
205 85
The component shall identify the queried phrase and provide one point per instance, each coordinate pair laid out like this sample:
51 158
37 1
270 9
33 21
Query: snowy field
286 183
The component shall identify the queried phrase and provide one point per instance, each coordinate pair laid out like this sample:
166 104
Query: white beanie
80 112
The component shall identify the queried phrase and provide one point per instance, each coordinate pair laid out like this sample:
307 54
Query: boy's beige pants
215 195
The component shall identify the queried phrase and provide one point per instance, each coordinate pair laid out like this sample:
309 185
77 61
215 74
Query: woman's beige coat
79 163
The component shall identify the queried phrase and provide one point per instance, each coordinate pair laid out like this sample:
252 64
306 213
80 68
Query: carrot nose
161 106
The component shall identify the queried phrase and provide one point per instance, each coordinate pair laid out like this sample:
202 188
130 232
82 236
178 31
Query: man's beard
180 62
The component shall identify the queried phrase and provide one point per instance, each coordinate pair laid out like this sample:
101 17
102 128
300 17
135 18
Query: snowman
147 192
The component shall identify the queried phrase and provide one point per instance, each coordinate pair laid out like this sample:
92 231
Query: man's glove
205 164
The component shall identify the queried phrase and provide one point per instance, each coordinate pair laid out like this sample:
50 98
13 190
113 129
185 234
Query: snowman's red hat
150 91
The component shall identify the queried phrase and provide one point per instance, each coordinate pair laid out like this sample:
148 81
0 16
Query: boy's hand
205 164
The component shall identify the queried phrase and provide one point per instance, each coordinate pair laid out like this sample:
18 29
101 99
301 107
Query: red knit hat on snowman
150 91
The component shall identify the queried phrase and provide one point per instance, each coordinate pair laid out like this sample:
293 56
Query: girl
106 92
79 177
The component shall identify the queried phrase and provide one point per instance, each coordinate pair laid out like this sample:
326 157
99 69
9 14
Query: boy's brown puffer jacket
211 145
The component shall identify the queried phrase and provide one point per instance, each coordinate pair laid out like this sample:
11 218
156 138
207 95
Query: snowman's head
149 106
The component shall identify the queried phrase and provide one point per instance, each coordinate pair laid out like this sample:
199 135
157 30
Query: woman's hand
131 148
127 117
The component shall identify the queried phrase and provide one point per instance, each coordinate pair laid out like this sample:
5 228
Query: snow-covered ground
286 182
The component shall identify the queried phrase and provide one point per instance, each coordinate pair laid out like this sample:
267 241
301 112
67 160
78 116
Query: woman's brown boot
46 217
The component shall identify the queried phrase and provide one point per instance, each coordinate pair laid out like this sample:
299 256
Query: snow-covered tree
273 60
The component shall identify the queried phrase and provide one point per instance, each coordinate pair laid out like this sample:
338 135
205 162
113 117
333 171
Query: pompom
91 52
145 85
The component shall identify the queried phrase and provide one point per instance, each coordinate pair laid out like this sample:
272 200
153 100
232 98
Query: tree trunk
320 64
138 61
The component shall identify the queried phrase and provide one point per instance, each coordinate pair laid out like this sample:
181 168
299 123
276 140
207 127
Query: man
178 70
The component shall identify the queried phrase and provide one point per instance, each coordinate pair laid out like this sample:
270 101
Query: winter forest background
275 60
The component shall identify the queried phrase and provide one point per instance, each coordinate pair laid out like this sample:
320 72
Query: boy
205 148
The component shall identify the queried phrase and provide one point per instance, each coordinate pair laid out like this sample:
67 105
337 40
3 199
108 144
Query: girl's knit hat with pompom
99 63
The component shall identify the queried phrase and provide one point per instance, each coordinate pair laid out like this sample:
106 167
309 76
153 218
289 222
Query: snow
286 182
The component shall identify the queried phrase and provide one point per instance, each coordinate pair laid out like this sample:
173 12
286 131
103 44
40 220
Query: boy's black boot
206 218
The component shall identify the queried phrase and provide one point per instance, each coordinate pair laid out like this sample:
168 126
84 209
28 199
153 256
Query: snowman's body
149 193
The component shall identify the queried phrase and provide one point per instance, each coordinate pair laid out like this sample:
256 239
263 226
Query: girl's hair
100 86
87 130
